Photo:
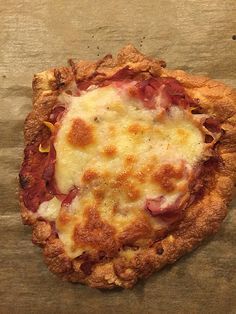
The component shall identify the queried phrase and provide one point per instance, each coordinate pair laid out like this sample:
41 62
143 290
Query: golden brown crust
108 66
46 88
201 219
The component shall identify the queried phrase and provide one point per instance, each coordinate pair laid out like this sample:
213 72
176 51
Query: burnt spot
68 92
24 181
160 251
213 163
86 267
208 139
162 63
212 124
59 79
102 256
195 106
96 119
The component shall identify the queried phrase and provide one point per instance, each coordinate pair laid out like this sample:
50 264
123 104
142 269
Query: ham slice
154 91
69 197
162 92
168 212
56 114
158 206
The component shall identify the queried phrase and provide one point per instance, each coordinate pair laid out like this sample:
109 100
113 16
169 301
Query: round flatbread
127 166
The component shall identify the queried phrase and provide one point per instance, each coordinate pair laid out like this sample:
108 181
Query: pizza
127 166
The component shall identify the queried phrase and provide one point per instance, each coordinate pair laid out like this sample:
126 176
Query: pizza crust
202 218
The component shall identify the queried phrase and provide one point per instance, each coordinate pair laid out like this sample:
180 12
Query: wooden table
192 35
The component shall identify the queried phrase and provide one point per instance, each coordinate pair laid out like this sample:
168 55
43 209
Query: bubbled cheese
113 166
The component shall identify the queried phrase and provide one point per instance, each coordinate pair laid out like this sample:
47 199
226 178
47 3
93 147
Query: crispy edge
46 87
201 220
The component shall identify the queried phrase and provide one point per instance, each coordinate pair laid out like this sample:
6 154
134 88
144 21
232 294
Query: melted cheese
114 168
112 117
50 209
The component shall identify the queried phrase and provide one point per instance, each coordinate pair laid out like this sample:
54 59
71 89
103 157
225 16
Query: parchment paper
192 35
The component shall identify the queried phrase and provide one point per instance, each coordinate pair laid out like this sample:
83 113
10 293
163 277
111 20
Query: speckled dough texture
201 219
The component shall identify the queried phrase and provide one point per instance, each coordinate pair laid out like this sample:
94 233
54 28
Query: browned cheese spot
81 133
146 170
120 179
96 233
141 176
135 128
165 177
122 182
129 160
122 176
89 175
115 208
110 151
99 193
64 217
132 192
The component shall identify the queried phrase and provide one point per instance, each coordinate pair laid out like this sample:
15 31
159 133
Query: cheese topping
50 209
119 155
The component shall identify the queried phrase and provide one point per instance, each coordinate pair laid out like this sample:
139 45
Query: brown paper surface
192 35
